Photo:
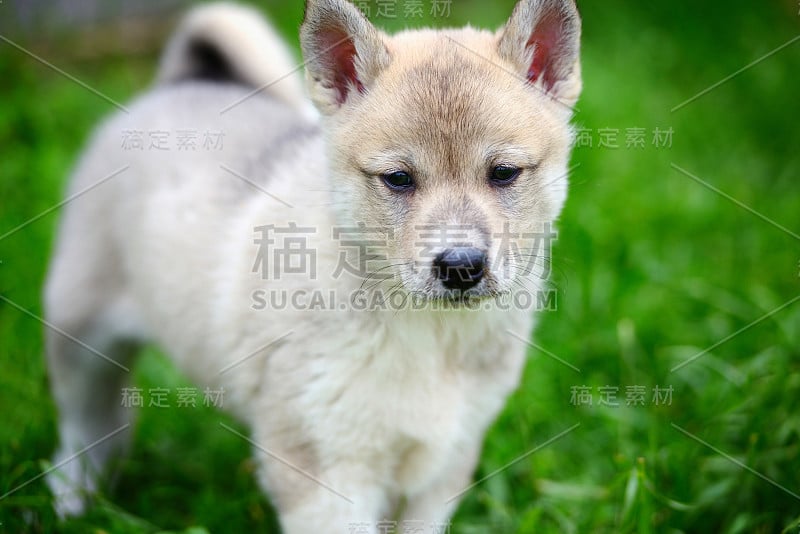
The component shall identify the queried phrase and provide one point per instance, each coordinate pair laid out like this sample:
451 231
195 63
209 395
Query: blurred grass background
652 267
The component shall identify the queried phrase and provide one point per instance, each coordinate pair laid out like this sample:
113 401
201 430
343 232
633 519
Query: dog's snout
460 267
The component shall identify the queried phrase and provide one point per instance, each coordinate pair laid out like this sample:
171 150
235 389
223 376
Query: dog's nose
460 267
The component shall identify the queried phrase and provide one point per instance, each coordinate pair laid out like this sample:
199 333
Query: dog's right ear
542 38
343 52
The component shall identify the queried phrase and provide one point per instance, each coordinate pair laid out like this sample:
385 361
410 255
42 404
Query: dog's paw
70 492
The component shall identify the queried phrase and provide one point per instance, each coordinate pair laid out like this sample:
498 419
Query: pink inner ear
339 53
546 37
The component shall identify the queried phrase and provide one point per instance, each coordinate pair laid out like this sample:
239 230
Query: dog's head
456 140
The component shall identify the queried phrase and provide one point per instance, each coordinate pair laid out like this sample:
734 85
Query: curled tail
233 43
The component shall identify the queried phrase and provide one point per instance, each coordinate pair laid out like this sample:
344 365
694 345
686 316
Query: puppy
347 276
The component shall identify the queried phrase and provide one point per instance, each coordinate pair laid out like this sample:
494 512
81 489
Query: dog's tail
232 43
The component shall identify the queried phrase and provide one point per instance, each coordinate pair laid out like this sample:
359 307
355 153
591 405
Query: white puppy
349 281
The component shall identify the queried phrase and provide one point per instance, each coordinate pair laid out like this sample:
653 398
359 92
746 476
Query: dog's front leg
432 507
324 513
342 498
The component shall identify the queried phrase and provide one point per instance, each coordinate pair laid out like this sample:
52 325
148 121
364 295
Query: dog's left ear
542 39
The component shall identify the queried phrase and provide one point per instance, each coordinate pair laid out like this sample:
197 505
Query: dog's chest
415 397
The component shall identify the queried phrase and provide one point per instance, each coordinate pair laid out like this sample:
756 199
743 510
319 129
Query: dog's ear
542 39
343 52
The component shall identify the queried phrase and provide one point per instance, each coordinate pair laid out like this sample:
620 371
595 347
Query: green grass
652 268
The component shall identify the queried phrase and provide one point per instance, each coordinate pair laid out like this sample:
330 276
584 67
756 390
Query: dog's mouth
438 292
465 298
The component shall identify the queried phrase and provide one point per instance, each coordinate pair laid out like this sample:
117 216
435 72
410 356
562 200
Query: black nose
460 267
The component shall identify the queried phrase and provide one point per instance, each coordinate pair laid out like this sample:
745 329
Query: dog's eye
398 181
504 174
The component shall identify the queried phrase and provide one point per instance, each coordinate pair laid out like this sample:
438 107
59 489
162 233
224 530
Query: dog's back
153 201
